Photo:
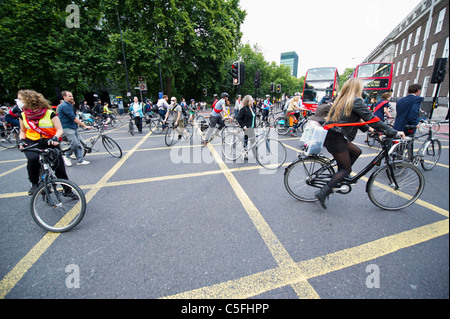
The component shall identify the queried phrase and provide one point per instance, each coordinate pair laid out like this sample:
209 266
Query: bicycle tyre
66 215
170 136
232 146
156 126
281 129
116 123
131 128
424 127
188 131
9 141
271 153
111 146
431 154
299 181
381 189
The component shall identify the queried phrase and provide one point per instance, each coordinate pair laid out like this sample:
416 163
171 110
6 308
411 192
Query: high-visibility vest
45 124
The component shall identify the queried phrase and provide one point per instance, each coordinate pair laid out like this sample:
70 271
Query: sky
324 33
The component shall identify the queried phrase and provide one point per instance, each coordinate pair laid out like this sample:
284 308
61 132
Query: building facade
290 59
413 46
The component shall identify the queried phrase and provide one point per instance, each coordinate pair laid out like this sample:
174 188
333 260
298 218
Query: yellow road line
256 284
301 287
12 170
21 268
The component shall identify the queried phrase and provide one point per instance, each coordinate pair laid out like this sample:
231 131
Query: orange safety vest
44 129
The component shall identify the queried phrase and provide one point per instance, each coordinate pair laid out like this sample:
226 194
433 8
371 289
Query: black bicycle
57 205
9 136
392 186
110 145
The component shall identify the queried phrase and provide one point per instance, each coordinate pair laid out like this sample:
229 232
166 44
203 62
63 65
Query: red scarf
35 115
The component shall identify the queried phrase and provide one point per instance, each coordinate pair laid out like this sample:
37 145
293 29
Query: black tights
344 161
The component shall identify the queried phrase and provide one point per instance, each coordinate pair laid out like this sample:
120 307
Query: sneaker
67 161
71 195
83 163
33 189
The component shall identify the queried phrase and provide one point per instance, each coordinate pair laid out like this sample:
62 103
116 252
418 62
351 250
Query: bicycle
57 205
270 153
111 146
428 154
173 134
282 128
392 186
9 136
131 125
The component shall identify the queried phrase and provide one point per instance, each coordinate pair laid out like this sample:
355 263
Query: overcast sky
324 33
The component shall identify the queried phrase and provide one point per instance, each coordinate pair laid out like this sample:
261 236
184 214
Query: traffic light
205 92
257 79
278 88
439 70
235 71
272 87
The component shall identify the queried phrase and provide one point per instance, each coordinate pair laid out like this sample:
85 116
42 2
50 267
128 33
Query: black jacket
360 112
245 117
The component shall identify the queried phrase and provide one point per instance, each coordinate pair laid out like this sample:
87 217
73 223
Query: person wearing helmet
216 117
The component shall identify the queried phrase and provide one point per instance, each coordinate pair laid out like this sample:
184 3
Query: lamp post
124 58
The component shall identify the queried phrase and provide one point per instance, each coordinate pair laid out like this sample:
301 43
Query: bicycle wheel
424 127
385 194
60 208
232 146
116 123
9 140
431 152
111 146
304 177
155 126
270 153
280 127
131 127
171 134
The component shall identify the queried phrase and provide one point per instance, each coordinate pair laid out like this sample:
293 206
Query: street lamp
124 58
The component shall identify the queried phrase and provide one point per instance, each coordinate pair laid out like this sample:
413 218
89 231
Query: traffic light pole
435 100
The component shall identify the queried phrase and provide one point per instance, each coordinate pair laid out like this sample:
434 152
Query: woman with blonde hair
290 113
349 109
39 125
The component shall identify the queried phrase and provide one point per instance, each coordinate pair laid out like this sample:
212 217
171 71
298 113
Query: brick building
413 46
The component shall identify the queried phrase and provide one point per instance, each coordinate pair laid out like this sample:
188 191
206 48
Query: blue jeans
75 144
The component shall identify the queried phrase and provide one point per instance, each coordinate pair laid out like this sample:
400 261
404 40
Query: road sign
141 79
143 87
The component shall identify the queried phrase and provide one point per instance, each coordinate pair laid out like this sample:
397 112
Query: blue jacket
407 112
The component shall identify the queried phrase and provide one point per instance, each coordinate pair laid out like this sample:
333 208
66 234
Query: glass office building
290 59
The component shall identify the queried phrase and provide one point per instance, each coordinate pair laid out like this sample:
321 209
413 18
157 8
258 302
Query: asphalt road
180 222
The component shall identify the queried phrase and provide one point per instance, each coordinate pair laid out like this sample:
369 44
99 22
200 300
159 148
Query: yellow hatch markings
21 268
288 272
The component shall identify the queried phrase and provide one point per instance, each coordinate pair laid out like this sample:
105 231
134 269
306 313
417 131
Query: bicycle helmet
224 94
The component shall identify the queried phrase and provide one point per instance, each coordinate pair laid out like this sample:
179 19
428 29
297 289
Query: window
419 65
445 53
399 89
427 30
432 54
411 64
408 45
398 68
405 62
396 50
426 82
403 45
393 88
417 39
440 21
405 92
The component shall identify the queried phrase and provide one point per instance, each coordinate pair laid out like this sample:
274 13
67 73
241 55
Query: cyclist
216 117
246 119
40 124
177 112
343 121
192 110
163 107
13 114
106 113
291 110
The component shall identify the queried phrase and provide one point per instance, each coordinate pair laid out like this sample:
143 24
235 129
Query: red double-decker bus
319 82
377 78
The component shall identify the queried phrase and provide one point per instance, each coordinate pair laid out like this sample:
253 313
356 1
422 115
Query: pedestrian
408 109
238 105
136 109
40 125
177 116
70 124
216 117
246 119
349 108
267 104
